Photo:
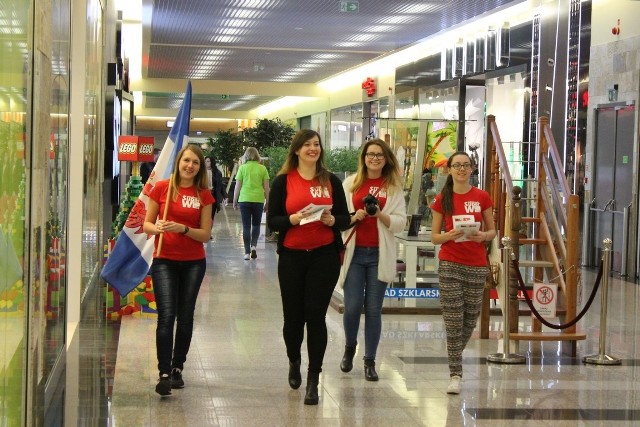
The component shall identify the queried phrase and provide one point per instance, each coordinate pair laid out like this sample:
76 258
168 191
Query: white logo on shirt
319 191
378 192
190 202
470 207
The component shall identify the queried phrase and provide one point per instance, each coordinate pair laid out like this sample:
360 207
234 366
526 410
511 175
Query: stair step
530 219
547 336
532 241
533 263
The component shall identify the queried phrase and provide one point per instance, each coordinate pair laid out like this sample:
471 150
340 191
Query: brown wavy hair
390 171
292 161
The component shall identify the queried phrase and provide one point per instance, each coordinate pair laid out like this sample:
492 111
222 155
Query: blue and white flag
132 254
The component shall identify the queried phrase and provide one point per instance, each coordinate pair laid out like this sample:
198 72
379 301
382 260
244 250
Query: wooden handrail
556 196
506 176
557 213
554 225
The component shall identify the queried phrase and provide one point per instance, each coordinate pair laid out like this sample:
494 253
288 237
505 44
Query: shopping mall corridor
236 371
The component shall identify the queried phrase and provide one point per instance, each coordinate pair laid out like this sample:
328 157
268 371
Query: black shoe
311 398
347 360
176 378
295 379
254 254
163 388
370 373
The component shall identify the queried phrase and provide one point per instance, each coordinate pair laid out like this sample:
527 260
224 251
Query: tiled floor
236 372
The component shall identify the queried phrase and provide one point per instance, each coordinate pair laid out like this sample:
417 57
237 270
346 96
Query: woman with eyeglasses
462 224
375 194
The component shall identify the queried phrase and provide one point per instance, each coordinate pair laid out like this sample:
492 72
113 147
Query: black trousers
307 280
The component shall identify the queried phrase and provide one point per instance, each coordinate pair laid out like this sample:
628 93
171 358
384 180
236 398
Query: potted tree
268 133
342 161
227 147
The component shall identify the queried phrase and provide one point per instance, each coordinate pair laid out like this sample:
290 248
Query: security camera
550 62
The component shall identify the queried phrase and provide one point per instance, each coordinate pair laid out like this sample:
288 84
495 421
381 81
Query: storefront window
346 127
55 276
14 74
93 129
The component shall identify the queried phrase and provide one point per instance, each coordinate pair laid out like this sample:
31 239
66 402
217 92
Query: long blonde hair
390 171
292 161
200 180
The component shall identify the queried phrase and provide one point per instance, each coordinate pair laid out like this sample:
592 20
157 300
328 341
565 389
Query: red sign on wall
369 85
133 148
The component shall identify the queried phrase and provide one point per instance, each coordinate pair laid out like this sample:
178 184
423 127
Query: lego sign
135 148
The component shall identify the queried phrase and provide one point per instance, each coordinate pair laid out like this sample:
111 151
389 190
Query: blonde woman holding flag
179 211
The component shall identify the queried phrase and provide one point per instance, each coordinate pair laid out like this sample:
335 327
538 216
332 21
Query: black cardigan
278 218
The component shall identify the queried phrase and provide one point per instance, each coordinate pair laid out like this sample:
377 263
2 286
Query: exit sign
350 6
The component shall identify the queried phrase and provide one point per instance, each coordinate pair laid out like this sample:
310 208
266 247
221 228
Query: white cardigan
397 211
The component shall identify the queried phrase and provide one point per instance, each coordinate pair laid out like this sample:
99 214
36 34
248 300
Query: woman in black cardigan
307 206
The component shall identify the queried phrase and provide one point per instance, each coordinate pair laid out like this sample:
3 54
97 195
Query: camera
370 204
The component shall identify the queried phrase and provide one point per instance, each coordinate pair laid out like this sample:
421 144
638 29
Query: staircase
542 224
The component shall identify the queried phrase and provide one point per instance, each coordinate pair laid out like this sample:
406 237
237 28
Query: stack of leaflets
467 224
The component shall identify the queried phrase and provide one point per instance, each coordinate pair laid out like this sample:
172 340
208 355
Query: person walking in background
308 246
462 267
375 194
251 192
147 167
216 186
179 264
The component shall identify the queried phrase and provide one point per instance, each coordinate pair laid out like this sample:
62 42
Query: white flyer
314 211
467 224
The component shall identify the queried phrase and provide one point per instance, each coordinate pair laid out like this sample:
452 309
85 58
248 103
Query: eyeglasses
372 156
458 166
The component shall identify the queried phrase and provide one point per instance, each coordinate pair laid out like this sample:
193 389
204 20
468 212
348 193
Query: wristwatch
186 230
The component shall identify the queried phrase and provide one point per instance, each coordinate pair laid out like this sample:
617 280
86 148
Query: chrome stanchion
506 357
601 358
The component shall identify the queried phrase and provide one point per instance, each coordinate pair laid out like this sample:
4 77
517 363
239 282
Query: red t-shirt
473 202
367 233
301 192
184 210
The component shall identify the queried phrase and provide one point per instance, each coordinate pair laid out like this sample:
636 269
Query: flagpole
166 211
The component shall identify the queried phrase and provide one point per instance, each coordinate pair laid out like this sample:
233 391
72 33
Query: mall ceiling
250 52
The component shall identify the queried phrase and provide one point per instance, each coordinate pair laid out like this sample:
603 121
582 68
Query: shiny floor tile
236 372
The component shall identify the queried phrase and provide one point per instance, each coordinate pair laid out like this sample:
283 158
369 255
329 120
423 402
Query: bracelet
186 230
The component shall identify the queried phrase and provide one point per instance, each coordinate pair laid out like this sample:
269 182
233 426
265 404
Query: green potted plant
342 161
268 133
227 147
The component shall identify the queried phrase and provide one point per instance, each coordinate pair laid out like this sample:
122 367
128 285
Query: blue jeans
362 287
251 214
176 285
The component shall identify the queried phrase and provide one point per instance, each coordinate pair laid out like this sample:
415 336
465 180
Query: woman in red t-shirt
462 223
177 271
308 245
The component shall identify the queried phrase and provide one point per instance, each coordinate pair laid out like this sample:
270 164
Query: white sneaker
246 257
254 255
455 385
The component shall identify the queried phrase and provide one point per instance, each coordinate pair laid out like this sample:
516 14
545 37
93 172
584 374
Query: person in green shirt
250 194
